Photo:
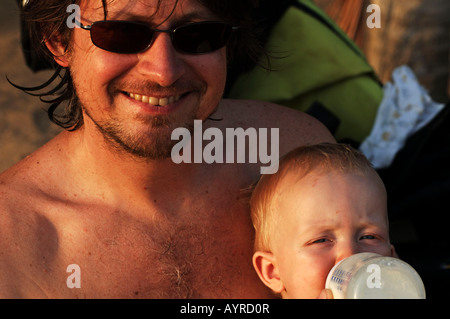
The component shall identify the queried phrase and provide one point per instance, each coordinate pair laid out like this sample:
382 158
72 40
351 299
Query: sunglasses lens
121 36
201 37
131 37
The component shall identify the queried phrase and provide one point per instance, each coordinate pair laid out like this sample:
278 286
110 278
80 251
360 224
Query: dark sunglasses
128 37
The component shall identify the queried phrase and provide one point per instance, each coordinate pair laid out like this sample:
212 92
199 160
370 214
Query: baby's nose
347 250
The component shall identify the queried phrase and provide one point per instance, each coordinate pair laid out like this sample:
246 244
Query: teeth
154 100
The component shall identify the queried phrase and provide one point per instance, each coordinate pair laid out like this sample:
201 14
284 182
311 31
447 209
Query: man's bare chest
152 261
202 255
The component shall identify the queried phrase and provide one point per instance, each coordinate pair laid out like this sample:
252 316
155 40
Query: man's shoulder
244 106
23 193
32 173
16 182
10 232
17 195
295 127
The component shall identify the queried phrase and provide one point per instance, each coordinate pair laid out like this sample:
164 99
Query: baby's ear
58 49
267 269
393 252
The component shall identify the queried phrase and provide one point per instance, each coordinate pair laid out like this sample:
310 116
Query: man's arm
16 251
7 275
15 279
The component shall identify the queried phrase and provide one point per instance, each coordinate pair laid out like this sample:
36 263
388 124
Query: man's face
118 91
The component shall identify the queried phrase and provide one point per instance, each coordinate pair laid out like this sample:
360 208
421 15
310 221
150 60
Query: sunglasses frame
171 32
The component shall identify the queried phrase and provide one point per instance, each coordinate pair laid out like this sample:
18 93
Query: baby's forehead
296 182
298 176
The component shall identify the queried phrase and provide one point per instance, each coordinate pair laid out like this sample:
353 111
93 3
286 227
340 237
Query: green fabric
315 64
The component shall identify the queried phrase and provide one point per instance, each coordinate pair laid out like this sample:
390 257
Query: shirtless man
108 197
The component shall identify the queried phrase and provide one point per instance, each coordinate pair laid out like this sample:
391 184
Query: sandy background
24 126
414 32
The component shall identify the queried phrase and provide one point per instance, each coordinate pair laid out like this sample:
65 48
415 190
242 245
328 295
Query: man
102 210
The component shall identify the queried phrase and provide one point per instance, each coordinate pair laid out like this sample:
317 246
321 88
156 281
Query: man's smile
155 101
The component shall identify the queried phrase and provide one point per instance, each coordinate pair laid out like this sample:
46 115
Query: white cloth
406 107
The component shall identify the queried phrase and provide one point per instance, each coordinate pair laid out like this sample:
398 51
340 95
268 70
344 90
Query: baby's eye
321 240
368 237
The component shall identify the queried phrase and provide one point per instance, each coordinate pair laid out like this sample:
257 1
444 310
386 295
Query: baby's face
323 219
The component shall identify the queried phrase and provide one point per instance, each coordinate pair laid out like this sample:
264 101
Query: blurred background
413 32
24 126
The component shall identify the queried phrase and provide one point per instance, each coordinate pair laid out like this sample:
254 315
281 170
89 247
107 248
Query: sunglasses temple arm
82 26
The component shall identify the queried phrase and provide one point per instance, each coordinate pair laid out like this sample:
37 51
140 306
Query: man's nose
161 63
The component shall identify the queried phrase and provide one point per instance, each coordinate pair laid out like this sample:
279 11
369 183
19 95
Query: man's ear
267 269
58 49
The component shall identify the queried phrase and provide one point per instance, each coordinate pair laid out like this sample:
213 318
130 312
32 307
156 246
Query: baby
324 204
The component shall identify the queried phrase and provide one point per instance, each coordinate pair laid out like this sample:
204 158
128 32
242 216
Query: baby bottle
372 276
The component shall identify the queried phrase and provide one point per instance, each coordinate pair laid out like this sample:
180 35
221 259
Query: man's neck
121 174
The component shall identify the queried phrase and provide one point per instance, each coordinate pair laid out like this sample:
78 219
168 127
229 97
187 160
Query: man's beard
155 143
